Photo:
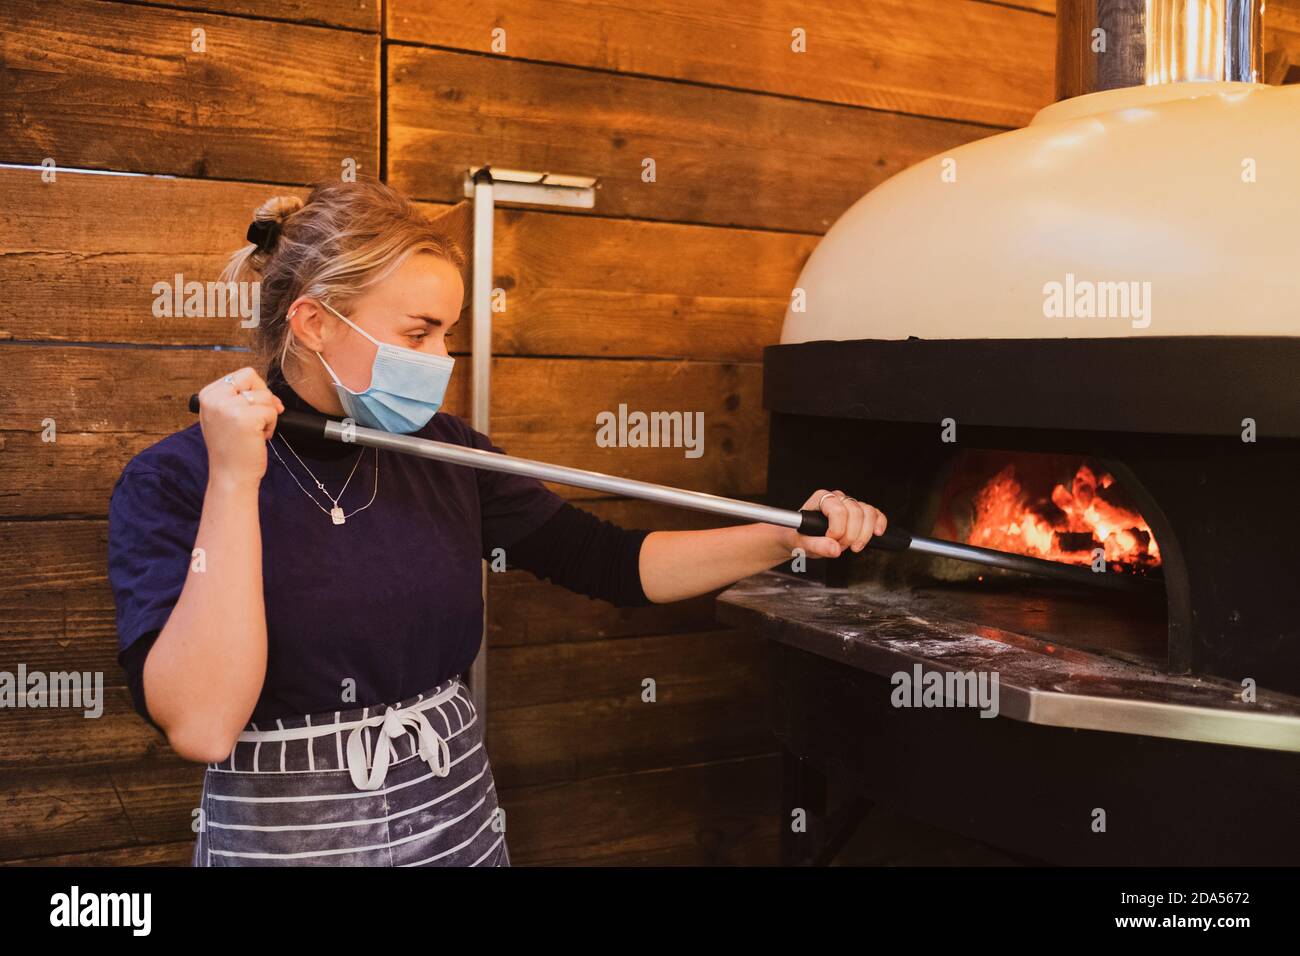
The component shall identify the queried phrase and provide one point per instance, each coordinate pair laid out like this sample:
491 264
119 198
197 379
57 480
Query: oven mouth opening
1065 508
1070 508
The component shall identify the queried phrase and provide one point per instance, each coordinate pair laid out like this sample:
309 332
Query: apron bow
393 723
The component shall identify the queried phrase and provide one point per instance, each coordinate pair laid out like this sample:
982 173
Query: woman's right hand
238 418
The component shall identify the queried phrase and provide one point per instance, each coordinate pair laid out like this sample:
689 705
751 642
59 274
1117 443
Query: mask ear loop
329 368
374 340
334 376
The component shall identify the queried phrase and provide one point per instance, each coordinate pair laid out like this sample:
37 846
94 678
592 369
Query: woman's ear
306 318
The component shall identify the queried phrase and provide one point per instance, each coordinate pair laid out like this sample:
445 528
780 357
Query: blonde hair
345 238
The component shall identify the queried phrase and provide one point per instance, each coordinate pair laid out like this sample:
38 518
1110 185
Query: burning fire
1081 521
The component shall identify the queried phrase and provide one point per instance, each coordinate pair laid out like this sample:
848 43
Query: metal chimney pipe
1111 44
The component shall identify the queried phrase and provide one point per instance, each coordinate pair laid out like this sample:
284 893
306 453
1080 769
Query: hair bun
278 208
264 231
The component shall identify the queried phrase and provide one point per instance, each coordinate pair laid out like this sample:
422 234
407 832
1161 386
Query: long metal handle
812 523
318 426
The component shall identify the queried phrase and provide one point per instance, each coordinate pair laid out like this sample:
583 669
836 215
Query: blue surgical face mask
406 386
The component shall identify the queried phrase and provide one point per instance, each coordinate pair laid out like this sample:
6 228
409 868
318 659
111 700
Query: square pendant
336 513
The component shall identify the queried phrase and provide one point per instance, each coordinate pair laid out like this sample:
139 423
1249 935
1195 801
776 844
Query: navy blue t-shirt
390 600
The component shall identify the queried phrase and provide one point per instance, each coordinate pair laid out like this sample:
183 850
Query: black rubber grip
814 524
289 420
302 423
894 539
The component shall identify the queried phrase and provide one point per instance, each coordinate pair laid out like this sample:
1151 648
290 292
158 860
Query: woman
295 613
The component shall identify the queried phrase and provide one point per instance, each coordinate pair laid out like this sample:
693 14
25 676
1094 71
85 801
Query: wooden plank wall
660 297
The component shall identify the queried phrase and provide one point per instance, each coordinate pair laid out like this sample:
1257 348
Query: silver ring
829 494
847 498
229 380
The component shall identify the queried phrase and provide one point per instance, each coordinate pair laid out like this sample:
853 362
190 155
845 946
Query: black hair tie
263 233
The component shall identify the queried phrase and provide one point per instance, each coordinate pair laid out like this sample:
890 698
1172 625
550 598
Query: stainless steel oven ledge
880 631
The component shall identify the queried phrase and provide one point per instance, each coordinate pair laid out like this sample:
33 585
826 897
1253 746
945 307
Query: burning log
1076 541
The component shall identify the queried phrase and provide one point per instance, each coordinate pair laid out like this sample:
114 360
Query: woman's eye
418 336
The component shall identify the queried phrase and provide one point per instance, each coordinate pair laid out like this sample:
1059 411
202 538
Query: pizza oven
957 353
983 442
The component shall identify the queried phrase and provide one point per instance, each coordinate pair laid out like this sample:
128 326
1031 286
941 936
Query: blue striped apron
406 785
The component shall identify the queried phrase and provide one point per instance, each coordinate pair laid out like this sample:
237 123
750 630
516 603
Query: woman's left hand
852 524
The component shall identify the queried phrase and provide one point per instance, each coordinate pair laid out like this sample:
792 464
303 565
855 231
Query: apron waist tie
394 723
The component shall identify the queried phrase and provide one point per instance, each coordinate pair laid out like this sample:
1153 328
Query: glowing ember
1081 521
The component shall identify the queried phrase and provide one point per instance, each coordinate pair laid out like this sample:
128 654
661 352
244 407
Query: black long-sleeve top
379 608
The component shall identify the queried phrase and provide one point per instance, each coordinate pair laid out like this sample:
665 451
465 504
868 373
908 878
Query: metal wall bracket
534 188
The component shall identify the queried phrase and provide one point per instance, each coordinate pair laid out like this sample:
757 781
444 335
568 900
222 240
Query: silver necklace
336 513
